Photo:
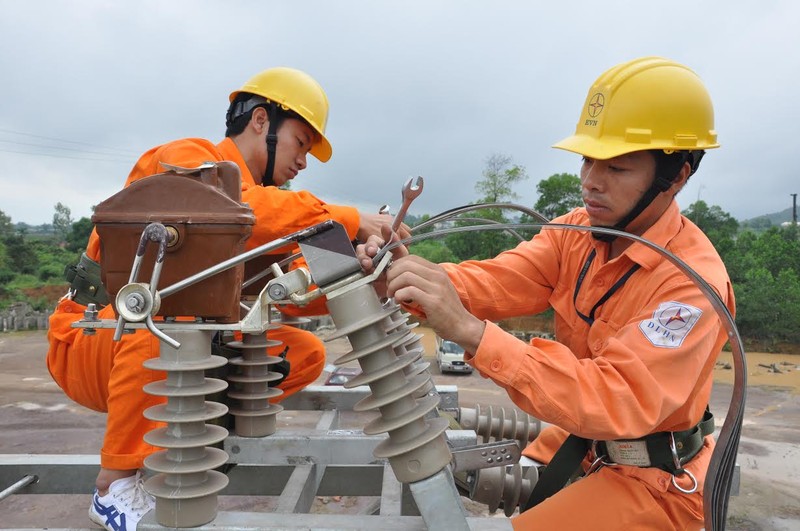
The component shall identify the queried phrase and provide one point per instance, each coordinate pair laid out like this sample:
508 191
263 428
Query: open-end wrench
410 192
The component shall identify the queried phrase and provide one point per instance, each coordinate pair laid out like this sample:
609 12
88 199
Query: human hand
365 252
421 284
370 225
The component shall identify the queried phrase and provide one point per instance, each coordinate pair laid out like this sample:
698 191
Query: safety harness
667 450
85 284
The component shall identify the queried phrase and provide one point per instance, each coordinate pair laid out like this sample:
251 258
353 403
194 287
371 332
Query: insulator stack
412 342
503 484
416 447
254 416
495 424
186 484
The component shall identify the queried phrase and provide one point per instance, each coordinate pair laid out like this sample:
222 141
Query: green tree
558 194
79 234
434 251
768 307
499 176
6 228
777 249
715 222
739 258
6 271
62 221
20 255
758 224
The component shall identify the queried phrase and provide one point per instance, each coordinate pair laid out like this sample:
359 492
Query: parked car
450 357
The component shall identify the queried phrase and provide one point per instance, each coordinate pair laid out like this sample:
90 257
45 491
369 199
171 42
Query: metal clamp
485 455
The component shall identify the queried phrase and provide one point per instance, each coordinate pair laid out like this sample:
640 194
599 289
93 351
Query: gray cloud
416 88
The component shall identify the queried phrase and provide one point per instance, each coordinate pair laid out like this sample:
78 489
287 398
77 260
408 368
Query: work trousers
108 376
618 498
610 500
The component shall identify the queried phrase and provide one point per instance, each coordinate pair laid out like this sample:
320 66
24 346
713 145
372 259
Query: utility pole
794 208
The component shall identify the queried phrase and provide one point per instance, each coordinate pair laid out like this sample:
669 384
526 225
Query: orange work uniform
643 365
108 376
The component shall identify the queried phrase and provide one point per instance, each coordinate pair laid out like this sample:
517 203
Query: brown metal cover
211 224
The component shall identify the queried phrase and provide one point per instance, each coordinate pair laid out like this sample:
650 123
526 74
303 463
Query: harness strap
666 450
660 446
565 463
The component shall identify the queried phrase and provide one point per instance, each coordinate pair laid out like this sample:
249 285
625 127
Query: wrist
472 335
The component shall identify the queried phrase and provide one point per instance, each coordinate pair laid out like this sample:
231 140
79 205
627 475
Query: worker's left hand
419 283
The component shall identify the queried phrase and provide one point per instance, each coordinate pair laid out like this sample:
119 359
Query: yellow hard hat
647 103
296 91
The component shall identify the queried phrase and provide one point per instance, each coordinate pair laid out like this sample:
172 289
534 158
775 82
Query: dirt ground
37 418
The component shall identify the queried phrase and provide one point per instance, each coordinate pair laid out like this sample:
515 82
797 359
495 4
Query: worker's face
295 138
611 188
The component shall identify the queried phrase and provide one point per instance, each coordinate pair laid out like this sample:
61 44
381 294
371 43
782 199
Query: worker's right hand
365 252
372 224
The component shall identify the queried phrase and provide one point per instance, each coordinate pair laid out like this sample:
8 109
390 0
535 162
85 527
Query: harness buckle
676 461
599 460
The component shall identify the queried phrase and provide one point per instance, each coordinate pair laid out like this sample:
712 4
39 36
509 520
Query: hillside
768 220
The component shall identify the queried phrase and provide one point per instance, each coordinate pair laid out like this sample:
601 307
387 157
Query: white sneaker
123 506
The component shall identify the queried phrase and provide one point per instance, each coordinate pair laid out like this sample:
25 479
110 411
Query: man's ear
680 180
259 120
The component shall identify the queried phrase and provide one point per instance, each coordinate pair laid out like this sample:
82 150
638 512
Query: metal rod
24 482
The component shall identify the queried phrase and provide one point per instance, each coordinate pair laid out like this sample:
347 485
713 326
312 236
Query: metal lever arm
137 301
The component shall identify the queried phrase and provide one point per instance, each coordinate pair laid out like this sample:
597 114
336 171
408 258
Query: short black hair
235 125
668 165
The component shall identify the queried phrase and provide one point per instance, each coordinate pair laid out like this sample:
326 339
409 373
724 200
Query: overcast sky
428 88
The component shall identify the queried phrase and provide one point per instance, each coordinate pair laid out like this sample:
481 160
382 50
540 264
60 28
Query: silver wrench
410 192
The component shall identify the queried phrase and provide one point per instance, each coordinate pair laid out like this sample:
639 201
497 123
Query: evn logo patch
671 323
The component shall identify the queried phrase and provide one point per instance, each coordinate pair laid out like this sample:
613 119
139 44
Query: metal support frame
296 465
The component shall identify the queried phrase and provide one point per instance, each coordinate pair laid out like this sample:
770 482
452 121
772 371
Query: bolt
277 291
90 314
173 237
135 302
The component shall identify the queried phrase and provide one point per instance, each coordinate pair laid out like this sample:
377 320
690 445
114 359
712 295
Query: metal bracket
487 455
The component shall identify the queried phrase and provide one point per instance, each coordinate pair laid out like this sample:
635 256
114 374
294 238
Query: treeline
31 260
764 264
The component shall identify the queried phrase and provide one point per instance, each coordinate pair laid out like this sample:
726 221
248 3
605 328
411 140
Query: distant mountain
768 220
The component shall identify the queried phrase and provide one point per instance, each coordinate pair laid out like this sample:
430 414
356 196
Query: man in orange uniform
636 339
273 122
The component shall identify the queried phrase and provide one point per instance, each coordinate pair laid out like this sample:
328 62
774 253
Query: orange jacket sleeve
281 212
614 379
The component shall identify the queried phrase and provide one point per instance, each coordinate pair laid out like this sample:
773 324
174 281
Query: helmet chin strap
661 183
272 143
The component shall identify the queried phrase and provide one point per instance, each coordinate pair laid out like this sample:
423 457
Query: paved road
37 418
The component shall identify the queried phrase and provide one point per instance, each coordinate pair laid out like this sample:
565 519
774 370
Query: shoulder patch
671 323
